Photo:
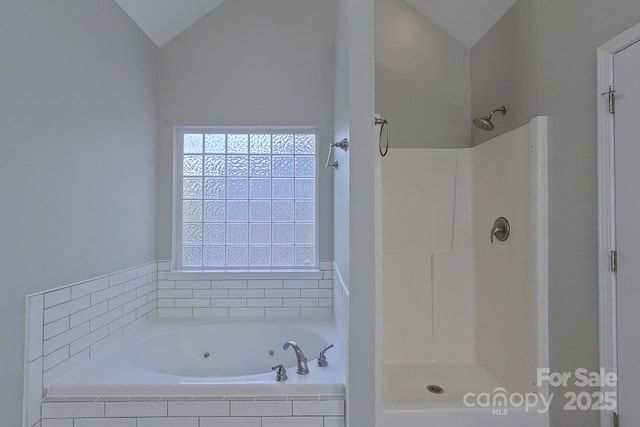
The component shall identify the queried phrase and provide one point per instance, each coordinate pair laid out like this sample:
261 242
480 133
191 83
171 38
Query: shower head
485 122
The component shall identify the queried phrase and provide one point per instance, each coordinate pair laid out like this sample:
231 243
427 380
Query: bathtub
183 357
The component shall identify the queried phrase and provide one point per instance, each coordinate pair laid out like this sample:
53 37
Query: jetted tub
223 349
179 357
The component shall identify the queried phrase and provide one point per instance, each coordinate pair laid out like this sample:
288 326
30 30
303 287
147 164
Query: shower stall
464 288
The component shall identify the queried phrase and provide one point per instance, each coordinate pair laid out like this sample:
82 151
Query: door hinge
614 261
611 94
616 420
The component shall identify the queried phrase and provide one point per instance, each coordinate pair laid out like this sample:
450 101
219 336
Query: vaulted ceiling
162 20
465 20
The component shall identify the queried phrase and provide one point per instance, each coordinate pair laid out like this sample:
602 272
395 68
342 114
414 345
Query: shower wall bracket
344 145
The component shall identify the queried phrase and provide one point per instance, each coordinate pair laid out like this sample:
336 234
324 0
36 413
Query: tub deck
112 373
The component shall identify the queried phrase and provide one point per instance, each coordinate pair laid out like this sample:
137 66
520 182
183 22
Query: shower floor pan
410 401
406 384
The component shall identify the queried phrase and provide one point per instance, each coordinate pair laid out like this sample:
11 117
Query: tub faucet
303 368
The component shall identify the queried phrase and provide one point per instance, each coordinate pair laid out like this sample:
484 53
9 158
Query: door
627 206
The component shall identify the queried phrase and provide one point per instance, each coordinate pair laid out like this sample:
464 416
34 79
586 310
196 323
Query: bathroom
94 188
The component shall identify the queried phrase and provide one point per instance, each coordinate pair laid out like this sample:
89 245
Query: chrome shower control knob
501 229
322 359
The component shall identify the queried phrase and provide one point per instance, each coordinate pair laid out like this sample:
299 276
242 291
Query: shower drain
435 389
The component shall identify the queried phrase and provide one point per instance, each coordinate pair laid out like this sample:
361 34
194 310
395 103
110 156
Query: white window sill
244 274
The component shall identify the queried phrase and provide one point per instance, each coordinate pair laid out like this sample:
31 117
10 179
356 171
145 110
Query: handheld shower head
485 122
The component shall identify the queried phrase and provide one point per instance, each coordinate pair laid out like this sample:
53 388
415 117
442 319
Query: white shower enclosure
461 315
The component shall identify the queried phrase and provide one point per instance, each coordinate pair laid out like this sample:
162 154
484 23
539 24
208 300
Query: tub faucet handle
322 359
281 374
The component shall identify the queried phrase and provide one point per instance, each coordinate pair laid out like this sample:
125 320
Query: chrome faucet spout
303 367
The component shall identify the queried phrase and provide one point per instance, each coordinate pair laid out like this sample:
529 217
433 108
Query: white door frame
606 207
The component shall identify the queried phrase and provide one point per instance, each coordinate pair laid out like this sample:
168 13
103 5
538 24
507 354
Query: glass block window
246 198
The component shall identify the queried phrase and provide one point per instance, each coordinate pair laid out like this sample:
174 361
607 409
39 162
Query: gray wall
423 81
540 60
77 169
249 62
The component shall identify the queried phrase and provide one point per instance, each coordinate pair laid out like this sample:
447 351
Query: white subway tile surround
71 324
67 325
98 312
279 411
245 298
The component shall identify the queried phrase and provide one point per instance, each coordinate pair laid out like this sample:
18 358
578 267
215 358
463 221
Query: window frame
177 204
